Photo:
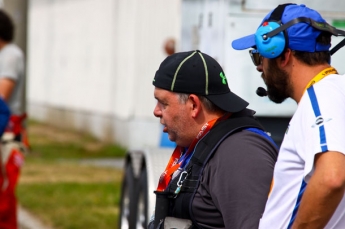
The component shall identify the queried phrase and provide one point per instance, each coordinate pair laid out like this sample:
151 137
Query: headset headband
323 26
277 14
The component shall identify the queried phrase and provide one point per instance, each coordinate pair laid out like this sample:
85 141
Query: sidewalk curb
27 221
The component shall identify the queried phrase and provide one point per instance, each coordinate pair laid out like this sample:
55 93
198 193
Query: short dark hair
316 58
6 27
209 106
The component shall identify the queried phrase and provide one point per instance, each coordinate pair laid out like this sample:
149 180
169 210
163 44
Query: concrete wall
91 62
91 65
17 9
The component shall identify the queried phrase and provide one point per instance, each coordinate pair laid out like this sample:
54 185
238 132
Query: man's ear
195 105
285 58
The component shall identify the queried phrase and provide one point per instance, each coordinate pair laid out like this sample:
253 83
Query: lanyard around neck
177 157
320 76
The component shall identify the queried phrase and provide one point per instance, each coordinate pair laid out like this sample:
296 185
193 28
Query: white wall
91 64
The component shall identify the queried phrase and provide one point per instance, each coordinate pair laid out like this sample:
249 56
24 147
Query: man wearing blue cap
291 50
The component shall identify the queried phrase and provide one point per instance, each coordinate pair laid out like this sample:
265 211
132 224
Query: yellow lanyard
320 76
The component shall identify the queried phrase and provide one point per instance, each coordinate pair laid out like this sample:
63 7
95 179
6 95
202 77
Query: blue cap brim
244 42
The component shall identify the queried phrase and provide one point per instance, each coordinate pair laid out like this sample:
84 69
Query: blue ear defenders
271 37
270 47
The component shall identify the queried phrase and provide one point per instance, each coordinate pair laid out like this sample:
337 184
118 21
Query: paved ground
27 221
105 162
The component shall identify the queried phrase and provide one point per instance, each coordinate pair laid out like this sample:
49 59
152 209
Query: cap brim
244 42
228 102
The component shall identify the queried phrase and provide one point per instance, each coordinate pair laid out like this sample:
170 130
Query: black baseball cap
197 73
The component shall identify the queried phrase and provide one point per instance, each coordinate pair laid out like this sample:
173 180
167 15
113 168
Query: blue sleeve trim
319 119
298 201
262 133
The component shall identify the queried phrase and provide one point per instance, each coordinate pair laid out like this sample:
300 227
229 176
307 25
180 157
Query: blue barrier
165 142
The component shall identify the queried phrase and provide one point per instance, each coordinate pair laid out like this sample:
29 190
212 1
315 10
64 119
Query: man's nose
157 112
259 68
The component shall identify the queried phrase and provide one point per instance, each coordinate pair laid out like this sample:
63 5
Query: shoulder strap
219 132
182 193
206 147
263 134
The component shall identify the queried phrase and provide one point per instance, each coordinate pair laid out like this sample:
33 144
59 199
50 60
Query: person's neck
3 43
202 118
205 117
301 76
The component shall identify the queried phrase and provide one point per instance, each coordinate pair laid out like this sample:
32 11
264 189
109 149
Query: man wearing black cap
220 173
291 49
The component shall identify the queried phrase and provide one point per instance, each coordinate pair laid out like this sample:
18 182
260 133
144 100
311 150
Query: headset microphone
261 92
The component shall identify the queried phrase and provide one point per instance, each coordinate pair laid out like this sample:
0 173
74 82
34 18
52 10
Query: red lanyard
174 162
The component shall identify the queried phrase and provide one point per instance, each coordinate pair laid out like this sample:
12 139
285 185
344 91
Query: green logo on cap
223 77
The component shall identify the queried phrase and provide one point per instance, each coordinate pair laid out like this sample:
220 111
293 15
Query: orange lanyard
320 76
175 162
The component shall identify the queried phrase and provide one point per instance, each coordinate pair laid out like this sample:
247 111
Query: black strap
207 146
277 13
220 132
317 25
322 26
338 46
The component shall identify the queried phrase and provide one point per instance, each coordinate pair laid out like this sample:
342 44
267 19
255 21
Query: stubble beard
178 133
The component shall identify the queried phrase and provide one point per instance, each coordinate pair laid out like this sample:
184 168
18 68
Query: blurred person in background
12 89
12 79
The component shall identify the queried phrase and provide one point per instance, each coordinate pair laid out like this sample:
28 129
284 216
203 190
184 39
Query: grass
73 205
63 193
50 143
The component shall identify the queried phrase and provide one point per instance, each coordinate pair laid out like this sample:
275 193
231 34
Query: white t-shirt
12 67
318 125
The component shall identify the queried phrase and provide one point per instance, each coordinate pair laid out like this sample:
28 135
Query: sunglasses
256 57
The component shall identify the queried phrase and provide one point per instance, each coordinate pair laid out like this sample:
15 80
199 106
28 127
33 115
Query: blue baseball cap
301 36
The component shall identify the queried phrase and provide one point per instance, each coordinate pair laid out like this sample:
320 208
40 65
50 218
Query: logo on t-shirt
320 121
